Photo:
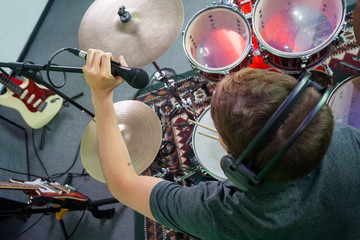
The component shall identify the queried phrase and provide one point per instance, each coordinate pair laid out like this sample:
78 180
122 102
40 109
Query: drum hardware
228 3
170 84
350 65
158 76
125 16
257 52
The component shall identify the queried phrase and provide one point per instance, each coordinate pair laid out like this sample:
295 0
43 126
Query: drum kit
291 36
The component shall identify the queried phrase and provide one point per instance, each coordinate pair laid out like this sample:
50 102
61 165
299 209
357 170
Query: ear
223 144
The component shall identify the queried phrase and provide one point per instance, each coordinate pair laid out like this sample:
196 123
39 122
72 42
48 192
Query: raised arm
125 185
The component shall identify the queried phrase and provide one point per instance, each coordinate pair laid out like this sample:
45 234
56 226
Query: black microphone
135 77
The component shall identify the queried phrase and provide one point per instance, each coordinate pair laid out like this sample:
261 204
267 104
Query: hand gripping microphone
135 77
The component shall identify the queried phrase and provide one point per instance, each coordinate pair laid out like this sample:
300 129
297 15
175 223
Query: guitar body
36 104
44 188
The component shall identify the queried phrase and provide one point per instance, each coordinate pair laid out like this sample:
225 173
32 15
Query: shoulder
186 208
204 190
345 139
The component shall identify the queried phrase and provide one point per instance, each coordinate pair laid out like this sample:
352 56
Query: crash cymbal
152 29
141 130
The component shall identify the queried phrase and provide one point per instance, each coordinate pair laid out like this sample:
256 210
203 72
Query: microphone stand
170 84
30 71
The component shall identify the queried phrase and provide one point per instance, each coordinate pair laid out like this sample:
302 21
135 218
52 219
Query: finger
106 64
89 57
122 61
96 59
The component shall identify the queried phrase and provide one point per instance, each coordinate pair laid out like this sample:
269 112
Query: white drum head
208 151
217 39
344 102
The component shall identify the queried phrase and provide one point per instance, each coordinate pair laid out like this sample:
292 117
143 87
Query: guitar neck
17 186
8 83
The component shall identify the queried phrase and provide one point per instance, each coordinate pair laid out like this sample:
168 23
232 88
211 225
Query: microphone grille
139 78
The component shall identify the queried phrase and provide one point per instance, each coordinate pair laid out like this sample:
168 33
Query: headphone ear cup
227 161
233 174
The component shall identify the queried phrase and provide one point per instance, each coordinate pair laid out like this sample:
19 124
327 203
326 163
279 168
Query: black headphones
240 174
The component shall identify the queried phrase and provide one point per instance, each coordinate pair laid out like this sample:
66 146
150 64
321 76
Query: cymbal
142 133
152 29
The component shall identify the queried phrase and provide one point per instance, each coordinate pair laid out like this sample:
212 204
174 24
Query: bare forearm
113 153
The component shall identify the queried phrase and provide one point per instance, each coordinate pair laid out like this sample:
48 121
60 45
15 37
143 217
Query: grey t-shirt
323 205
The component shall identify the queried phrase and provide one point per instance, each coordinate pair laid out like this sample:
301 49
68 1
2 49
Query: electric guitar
36 104
45 188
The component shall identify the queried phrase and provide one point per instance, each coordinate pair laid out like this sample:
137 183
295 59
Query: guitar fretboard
10 84
9 185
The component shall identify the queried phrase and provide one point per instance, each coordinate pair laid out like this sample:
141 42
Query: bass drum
344 102
208 151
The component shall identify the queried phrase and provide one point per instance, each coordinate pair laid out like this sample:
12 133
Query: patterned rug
176 161
345 59
176 154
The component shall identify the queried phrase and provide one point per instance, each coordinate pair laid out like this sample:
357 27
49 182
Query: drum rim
305 54
341 84
228 68
193 136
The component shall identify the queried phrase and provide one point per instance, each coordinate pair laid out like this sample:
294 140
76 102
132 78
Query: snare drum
208 151
297 35
217 41
344 102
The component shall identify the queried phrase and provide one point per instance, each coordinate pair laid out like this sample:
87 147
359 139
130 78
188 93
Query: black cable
37 154
48 69
77 225
21 173
59 175
30 227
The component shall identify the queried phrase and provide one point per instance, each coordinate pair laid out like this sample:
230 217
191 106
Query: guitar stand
31 71
62 207
46 127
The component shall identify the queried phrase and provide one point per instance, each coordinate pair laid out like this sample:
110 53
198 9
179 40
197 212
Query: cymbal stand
170 84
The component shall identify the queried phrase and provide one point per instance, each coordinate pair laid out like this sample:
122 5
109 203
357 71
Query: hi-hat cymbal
141 130
152 29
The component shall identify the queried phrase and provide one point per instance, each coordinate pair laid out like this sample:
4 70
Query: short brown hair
244 101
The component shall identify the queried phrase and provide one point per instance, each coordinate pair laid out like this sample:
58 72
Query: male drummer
312 193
